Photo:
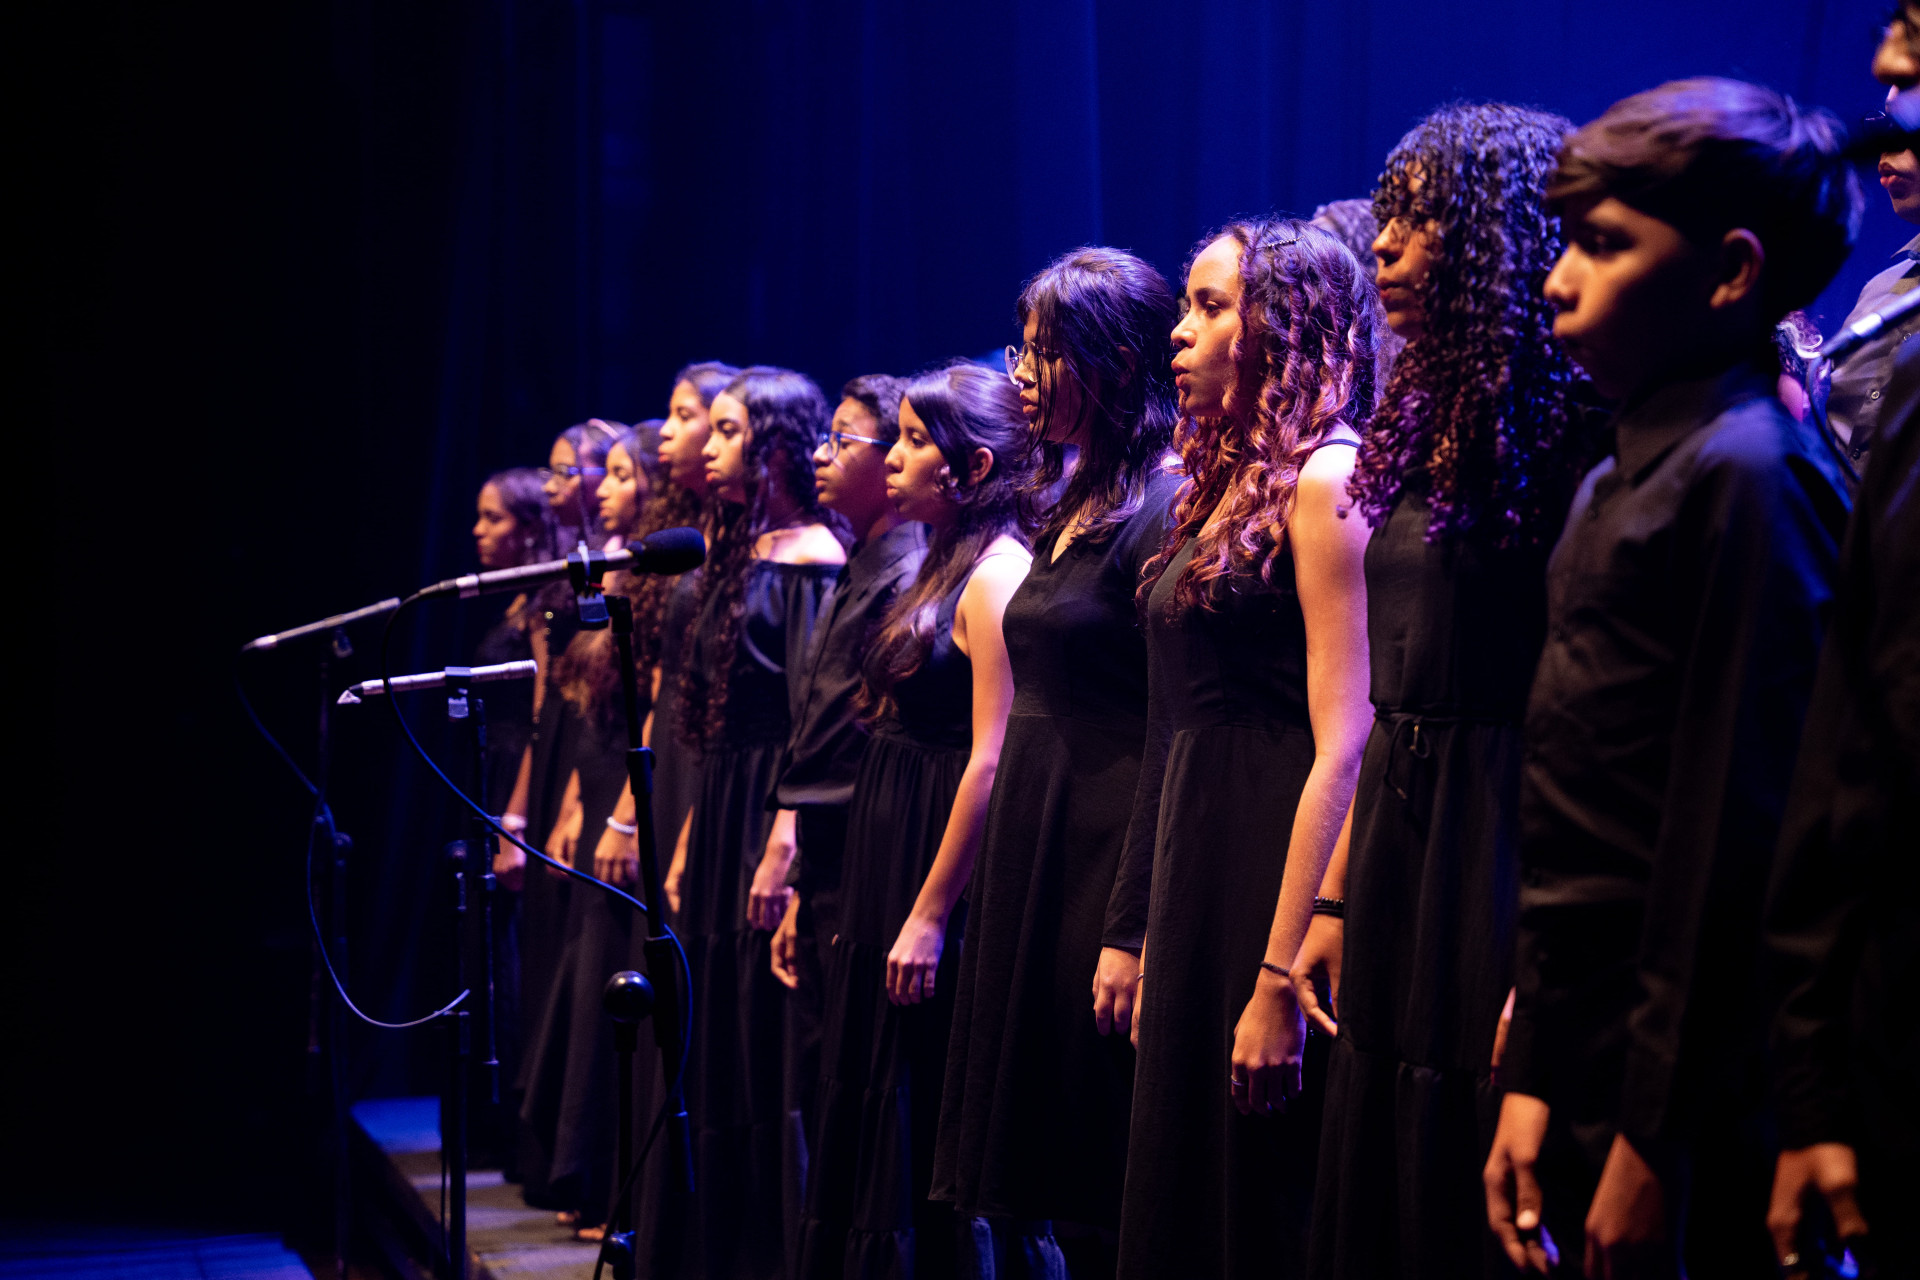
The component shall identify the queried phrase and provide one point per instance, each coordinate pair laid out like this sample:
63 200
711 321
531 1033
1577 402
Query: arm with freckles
1329 542
915 957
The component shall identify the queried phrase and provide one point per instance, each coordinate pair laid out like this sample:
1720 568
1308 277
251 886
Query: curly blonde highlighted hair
1310 327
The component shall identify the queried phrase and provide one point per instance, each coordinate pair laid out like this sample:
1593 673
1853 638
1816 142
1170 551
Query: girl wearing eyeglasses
1033 1124
936 689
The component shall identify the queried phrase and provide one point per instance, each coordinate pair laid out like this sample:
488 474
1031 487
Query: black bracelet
1335 907
1273 968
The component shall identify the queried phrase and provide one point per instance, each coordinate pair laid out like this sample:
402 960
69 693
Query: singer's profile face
1632 294
726 451
621 492
683 436
1403 258
918 478
1899 174
1203 369
493 531
853 480
561 488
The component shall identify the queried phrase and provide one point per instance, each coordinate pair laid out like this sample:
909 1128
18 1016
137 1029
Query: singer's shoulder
803 544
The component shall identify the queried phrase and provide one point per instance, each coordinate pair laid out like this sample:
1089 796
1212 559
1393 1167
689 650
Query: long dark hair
965 407
535 537
1304 366
1107 314
588 673
1482 401
709 378
787 416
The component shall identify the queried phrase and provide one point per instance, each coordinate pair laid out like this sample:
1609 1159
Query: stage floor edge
399 1150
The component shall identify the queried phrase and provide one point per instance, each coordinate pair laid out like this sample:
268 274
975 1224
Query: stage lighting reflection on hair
397 1150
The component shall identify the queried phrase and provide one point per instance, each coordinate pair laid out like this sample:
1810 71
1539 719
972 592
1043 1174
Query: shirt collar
1645 429
878 554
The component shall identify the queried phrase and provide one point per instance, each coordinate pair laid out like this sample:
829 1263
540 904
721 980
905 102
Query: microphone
314 628
352 695
667 552
1868 327
1895 129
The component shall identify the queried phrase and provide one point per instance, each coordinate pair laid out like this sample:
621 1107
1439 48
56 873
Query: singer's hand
767 897
677 871
786 946
564 839
1114 987
510 866
616 858
1828 1171
1513 1190
1316 971
1268 1045
915 959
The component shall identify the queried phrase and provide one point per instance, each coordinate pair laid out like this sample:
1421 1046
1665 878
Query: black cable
322 816
659 1122
493 824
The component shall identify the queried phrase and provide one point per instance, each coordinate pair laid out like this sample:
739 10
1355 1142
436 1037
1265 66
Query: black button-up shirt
1684 618
824 749
1856 396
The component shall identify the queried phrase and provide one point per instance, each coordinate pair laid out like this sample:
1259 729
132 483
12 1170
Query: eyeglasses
1026 353
567 473
836 439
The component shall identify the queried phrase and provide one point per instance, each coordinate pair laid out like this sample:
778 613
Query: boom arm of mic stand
667 1025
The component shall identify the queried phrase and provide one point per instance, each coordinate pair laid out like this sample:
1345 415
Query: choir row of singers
1181 815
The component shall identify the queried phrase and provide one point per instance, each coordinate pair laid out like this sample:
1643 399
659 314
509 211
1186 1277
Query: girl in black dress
545 799
1032 1140
1255 616
937 686
513 526
663 610
570 1085
774 557
1465 473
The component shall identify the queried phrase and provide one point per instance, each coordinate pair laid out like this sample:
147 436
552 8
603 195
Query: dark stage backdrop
322 266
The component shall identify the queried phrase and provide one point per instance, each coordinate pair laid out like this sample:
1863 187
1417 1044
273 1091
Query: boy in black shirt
1684 605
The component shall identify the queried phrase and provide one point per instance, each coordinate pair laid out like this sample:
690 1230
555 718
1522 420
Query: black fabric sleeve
1754 564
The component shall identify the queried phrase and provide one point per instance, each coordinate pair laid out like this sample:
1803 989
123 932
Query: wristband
1273 968
624 828
1335 907
514 822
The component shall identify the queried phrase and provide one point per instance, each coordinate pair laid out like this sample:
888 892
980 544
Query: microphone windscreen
669 551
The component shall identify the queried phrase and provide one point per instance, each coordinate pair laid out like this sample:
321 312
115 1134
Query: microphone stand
619 1246
465 708
327 1020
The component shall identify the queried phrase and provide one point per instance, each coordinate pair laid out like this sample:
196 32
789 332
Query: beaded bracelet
624 828
1335 907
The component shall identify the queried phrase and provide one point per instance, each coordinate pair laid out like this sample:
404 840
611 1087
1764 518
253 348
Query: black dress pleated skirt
1432 891
867 1214
1033 1122
748 1129
1211 1192
570 1103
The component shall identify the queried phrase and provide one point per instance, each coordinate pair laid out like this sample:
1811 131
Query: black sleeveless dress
545 899
1211 1192
569 1103
676 768
509 719
1033 1124
881 1064
1455 632
749 1148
